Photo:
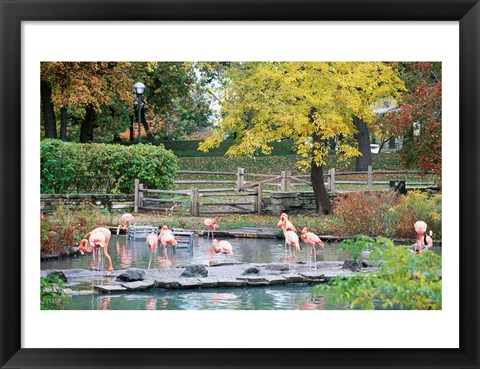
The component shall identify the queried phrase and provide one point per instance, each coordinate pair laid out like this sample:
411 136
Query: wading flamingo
125 221
285 225
311 239
423 241
211 225
223 247
152 244
166 238
97 240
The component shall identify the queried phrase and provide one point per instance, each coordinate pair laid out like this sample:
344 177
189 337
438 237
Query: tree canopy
98 96
419 118
307 102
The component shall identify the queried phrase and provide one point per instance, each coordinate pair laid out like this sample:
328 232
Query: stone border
220 275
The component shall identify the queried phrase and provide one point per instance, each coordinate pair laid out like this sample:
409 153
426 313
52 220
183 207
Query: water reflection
129 253
295 297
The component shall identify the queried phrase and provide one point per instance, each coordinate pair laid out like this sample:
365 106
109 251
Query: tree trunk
363 138
145 126
48 110
323 205
86 130
63 123
391 143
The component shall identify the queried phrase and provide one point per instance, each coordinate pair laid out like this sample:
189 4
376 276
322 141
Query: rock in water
195 271
353 266
132 275
251 270
60 275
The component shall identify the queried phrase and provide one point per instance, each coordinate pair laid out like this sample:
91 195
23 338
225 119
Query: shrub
52 293
364 212
412 207
83 168
403 281
66 228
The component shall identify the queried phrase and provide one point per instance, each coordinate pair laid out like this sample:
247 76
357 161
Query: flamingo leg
315 256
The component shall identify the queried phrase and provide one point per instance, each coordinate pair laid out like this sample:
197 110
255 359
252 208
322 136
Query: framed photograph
446 32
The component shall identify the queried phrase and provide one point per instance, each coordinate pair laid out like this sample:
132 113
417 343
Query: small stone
60 275
294 278
351 265
195 271
139 285
186 283
252 270
231 282
209 282
169 284
109 289
132 275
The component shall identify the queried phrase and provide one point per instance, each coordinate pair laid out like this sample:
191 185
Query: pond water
128 253
134 253
292 297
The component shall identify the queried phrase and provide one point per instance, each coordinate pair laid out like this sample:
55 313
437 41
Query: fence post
282 181
135 201
369 178
288 181
195 204
240 178
332 180
259 199
140 195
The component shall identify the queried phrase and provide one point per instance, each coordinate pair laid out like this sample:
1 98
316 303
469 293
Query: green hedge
100 168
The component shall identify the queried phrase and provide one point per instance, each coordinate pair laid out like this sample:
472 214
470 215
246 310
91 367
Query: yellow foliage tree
307 102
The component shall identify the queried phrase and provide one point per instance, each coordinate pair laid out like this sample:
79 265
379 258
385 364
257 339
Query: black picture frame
12 355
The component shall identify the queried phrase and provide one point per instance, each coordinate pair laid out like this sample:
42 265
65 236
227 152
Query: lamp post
139 89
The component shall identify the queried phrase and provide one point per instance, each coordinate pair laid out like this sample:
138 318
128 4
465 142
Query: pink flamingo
292 239
125 221
152 244
211 225
95 241
311 239
423 241
284 221
285 225
223 247
166 238
152 241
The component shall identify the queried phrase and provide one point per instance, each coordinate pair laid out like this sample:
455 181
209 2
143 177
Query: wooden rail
255 187
287 181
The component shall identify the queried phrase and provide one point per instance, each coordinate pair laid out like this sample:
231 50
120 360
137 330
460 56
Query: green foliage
82 168
415 206
355 247
52 293
403 281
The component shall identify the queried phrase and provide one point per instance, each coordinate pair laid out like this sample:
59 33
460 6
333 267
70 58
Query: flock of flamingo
96 241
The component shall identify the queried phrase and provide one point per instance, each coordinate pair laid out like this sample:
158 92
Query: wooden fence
195 200
286 182
244 192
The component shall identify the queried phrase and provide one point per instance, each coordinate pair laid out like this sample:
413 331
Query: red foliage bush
364 212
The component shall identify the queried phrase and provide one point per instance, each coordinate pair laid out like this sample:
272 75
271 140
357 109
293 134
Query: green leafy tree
175 101
307 102
403 280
